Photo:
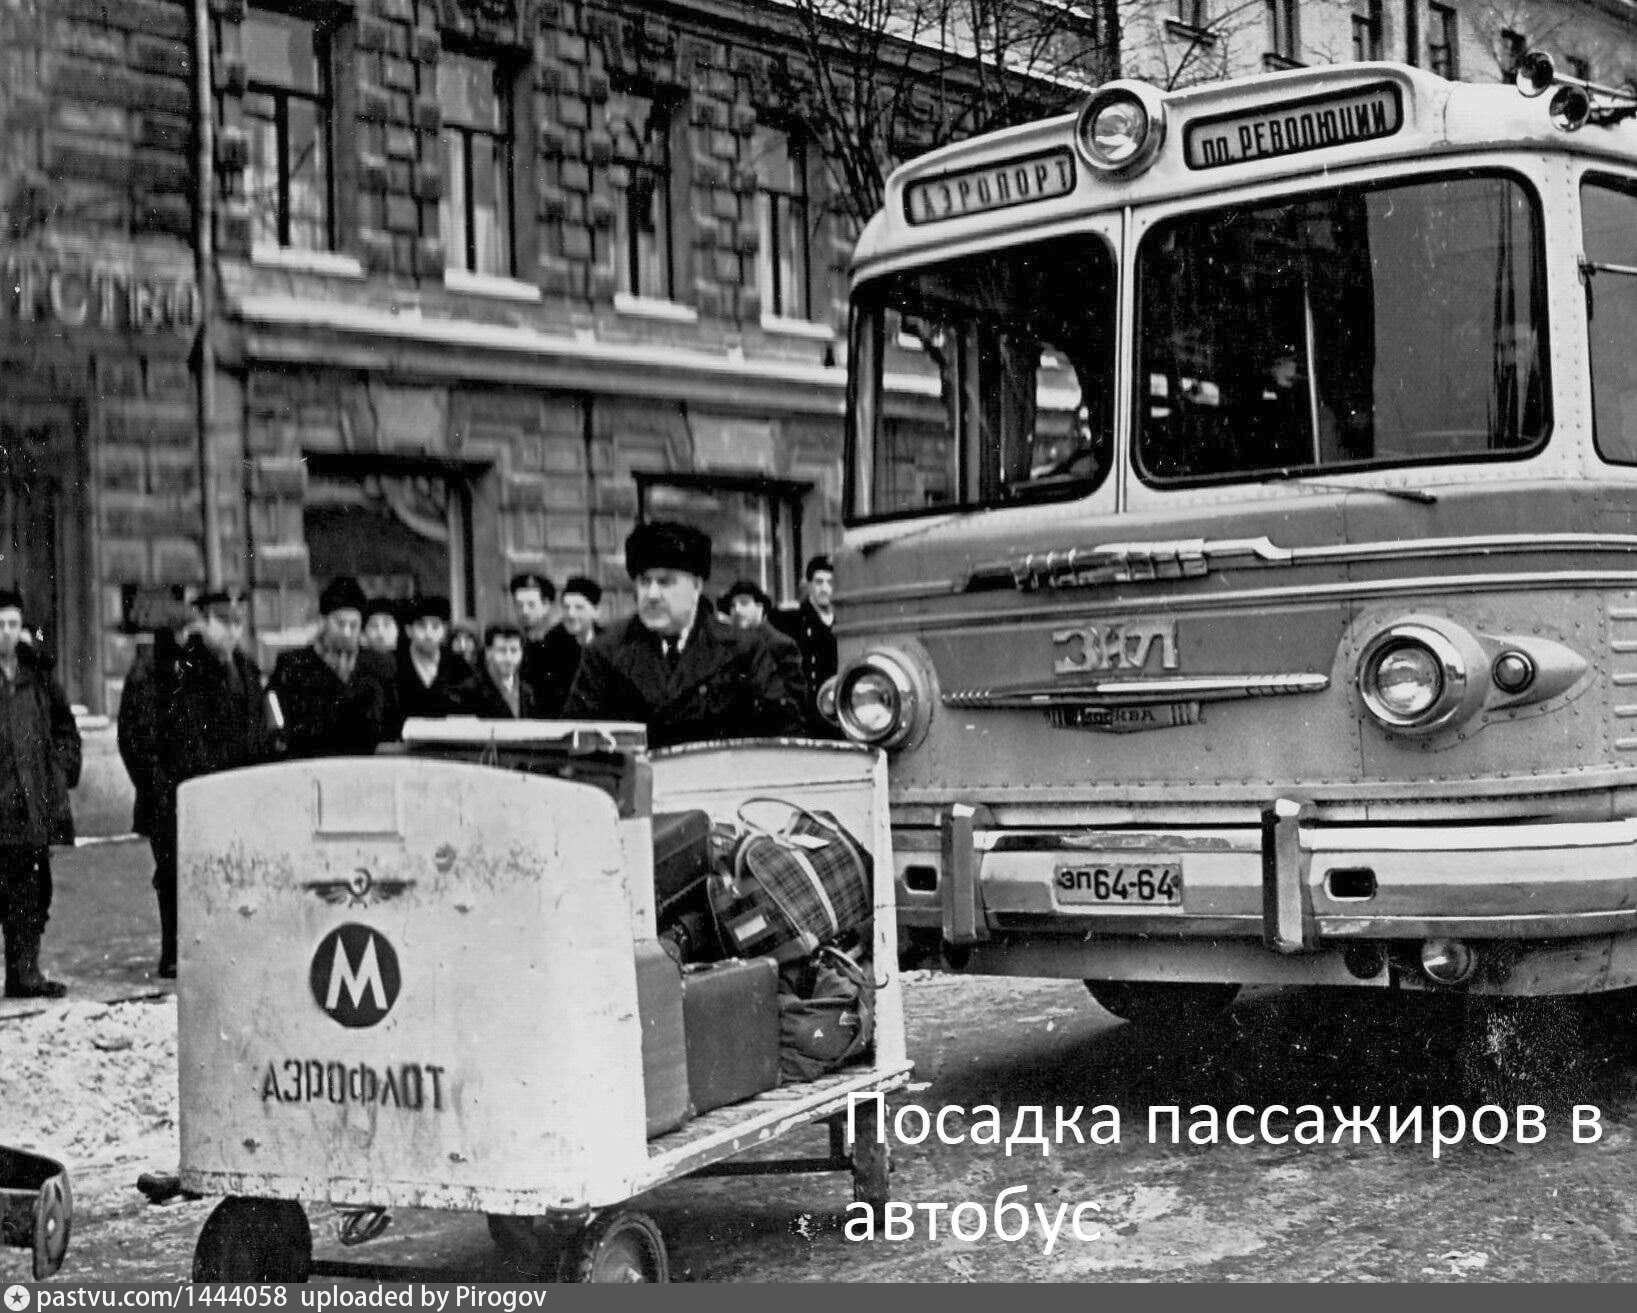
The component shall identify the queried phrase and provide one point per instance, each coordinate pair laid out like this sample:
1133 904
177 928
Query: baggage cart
407 981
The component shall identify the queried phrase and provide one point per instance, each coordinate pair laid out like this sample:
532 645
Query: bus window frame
1378 175
1103 226
1597 175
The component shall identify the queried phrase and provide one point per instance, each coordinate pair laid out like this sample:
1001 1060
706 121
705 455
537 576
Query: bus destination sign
993 187
1292 128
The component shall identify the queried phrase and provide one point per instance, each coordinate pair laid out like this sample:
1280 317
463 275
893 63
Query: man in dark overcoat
565 643
432 680
673 666
534 607
812 626
747 606
215 720
334 699
39 764
498 691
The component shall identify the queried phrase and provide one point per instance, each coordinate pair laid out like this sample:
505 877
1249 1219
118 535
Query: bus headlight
1413 678
826 700
878 700
1121 128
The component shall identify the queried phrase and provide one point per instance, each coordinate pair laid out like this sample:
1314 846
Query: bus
1240 561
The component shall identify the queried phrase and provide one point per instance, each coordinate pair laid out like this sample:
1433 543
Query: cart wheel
618 1247
872 1165
53 1220
254 1240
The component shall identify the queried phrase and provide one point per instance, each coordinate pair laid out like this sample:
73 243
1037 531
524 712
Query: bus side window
1609 221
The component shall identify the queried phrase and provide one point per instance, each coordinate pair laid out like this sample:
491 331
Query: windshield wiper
1418 495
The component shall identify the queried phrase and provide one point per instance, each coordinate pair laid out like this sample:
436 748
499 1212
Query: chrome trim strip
1327 842
1127 692
1363 591
1251 553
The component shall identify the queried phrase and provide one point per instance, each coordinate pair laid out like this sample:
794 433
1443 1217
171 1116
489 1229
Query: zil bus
1241 552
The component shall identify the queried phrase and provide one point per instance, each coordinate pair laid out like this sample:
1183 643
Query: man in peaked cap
673 666
565 643
534 607
431 678
334 699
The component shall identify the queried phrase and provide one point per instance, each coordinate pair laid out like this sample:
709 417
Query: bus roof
1217 135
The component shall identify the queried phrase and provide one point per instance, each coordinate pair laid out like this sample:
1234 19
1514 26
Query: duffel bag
831 1027
787 891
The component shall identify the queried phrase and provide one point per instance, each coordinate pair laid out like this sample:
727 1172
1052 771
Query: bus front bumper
1295 886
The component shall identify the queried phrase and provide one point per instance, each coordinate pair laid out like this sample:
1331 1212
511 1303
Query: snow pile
92 1083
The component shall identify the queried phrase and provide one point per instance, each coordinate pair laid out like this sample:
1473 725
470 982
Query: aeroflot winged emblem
359 889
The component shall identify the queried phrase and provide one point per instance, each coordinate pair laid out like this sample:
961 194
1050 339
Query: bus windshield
1021 345
1355 327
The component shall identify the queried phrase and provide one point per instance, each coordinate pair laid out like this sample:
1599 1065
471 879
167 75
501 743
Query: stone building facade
492 280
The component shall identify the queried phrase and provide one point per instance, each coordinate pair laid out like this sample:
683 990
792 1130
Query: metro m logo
354 975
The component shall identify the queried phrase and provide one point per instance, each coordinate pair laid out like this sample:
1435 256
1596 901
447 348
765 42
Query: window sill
1274 63
1188 32
490 285
798 328
644 307
307 262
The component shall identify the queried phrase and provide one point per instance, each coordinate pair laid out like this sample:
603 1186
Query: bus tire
1147 1002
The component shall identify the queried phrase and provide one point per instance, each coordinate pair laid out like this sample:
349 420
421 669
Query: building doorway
41 498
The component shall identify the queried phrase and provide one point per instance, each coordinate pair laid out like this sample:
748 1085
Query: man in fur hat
335 700
673 666
214 719
431 678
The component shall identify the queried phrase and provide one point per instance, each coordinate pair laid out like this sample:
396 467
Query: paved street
1554 1210
103 940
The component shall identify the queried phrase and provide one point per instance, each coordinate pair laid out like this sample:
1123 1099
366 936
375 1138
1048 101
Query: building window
1282 28
402 529
1442 41
287 117
644 254
1367 25
476 210
784 265
1191 13
754 523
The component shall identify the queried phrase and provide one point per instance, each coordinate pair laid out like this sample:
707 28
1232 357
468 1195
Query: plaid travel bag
786 891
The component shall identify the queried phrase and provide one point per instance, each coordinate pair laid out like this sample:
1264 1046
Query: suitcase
664 1046
730 1015
682 855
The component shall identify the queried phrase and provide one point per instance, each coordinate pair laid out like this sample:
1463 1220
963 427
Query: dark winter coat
556 663
444 696
483 697
147 690
725 685
817 642
37 729
215 720
324 717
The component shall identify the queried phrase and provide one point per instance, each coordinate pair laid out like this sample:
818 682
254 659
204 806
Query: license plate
1122 883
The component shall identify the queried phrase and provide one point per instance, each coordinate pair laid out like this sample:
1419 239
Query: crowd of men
685 668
